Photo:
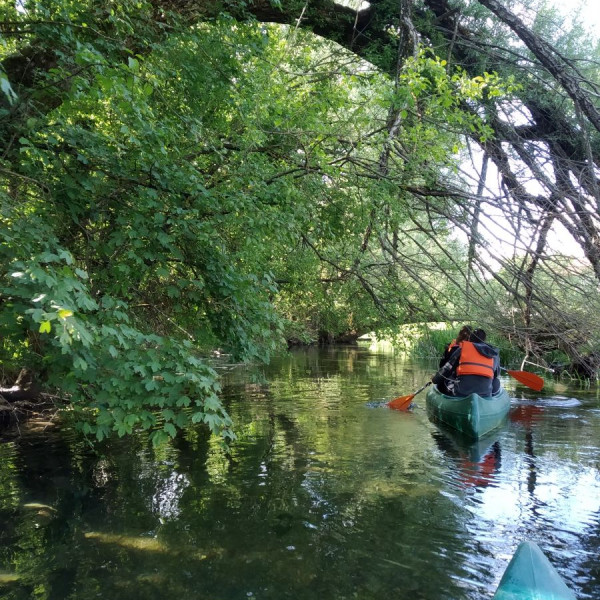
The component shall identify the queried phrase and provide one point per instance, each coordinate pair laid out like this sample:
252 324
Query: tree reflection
322 496
526 415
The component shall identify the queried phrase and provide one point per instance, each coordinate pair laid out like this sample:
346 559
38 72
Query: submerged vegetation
178 182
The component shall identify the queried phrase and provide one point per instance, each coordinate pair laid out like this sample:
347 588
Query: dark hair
478 335
465 333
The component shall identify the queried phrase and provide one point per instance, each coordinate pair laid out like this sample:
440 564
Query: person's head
464 334
478 335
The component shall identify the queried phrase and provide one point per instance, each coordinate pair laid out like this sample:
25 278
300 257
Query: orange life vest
472 362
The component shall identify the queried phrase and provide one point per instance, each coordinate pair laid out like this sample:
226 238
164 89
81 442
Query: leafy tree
120 252
178 179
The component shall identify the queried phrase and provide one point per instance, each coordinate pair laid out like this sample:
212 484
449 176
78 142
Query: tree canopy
178 177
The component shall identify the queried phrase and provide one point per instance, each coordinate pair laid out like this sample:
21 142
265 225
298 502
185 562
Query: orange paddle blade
531 380
401 403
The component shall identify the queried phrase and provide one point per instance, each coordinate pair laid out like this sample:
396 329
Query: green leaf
168 414
183 401
80 363
158 438
170 429
7 88
151 385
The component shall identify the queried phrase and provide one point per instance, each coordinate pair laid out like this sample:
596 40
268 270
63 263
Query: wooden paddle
531 380
403 402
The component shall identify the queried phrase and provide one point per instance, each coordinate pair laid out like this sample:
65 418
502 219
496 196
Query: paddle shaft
421 388
403 402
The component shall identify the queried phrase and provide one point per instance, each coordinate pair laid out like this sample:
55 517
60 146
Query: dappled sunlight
151 544
146 544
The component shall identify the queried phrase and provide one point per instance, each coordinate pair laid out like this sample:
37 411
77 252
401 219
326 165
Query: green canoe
473 415
530 576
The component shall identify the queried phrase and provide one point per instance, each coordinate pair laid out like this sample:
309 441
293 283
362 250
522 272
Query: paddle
531 380
403 402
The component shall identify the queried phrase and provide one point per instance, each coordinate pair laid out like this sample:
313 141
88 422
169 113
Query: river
326 494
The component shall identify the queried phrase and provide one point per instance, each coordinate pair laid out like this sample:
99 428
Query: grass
430 339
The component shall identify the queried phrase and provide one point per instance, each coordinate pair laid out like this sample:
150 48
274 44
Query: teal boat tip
530 576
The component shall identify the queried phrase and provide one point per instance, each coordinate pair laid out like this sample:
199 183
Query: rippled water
326 494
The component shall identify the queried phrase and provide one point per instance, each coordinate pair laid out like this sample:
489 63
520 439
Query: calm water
326 495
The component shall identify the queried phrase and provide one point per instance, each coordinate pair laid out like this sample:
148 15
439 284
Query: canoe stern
471 415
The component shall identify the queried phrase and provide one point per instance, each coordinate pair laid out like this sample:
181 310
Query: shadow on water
320 497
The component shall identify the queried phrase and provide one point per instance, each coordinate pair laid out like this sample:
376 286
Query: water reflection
476 463
321 497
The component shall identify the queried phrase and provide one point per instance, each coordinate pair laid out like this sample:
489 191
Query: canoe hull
472 415
531 576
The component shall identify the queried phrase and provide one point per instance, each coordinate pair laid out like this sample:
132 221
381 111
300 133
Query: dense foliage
173 184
